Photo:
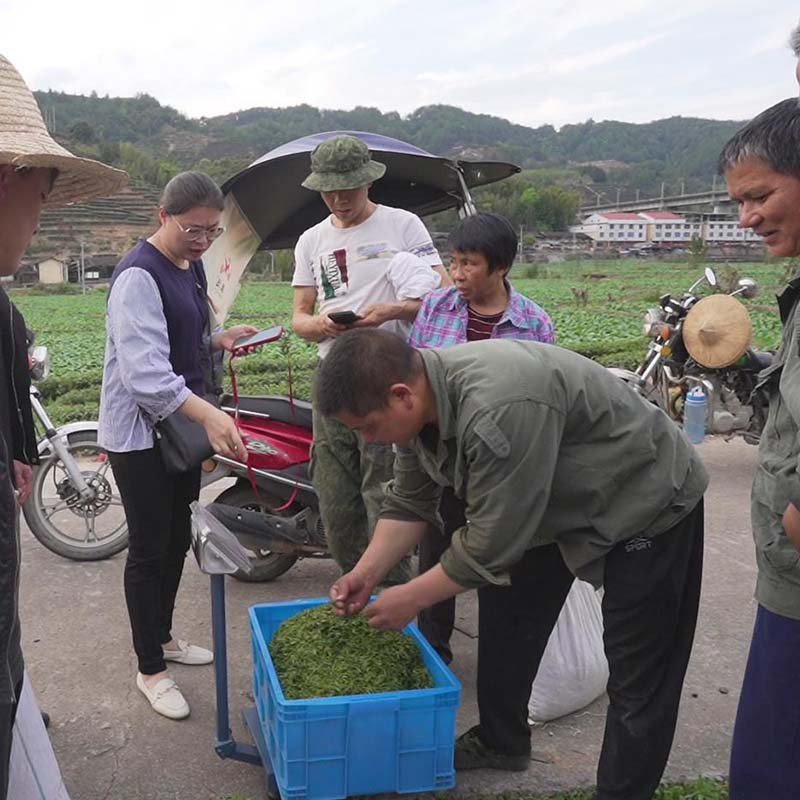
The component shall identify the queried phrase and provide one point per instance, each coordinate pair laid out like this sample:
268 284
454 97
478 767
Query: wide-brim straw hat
25 142
717 331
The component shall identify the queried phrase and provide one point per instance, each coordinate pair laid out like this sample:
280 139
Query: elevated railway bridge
714 201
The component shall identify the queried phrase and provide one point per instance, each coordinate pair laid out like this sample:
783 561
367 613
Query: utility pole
714 188
637 195
618 193
597 195
82 271
683 187
662 194
519 244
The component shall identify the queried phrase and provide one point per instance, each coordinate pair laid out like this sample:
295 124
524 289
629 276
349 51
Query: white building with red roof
664 227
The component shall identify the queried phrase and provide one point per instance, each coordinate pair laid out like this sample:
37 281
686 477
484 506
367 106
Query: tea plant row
607 327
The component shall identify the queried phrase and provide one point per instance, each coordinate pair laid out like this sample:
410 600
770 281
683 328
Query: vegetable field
607 327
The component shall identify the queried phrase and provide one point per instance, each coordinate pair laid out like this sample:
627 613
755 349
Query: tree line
678 147
153 142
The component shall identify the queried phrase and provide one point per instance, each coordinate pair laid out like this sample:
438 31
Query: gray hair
773 136
794 41
189 190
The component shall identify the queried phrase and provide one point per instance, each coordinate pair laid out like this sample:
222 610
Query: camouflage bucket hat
342 162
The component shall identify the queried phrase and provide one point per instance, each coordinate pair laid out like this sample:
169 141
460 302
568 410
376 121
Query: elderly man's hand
23 481
394 608
791 524
350 594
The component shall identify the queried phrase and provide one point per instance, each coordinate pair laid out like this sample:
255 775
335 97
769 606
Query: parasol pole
467 207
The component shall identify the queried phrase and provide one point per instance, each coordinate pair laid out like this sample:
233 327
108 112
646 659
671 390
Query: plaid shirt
442 320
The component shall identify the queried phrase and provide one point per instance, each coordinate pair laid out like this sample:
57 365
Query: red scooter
272 508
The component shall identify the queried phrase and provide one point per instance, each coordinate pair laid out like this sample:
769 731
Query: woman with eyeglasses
159 352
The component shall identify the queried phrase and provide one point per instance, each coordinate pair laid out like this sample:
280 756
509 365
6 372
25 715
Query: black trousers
159 533
650 604
436 623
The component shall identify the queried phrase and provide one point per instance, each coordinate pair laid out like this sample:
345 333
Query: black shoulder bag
183 443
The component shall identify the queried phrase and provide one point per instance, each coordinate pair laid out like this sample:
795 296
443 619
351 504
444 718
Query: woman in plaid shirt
481 304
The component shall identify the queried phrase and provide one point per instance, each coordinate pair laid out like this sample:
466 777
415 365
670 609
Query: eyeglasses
196 234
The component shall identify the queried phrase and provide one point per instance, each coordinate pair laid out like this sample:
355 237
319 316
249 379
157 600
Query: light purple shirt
442 320
139 384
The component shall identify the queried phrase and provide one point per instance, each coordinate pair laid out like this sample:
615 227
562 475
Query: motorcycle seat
763 359
276 407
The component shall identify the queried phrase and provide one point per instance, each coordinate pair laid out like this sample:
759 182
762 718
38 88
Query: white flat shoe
189 654
165 697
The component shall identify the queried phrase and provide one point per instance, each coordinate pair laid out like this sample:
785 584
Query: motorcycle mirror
710 276
39 363
216 549
748 288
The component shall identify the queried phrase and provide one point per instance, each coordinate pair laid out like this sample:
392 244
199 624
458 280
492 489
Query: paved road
111 745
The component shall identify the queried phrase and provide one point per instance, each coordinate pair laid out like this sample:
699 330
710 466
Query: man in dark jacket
16 456
34 170
761 165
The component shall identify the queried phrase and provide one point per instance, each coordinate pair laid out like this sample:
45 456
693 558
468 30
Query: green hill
670 149
561 167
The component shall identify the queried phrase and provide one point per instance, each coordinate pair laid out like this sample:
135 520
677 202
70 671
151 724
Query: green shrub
54 288
533 270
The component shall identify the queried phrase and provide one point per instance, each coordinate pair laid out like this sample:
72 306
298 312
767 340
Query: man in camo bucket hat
34 170
343 162
376 262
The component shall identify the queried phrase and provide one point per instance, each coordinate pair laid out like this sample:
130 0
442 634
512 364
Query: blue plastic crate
328 748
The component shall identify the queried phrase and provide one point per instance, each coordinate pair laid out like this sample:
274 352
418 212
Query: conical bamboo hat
717 331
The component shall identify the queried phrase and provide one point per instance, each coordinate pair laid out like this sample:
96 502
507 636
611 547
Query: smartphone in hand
343 317
247 343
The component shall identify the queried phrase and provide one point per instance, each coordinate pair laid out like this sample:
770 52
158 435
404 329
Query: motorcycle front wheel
266 565
64 522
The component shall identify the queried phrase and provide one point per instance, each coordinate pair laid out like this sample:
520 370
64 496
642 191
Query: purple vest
183 295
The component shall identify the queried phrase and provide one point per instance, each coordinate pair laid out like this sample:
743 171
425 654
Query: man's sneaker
472 753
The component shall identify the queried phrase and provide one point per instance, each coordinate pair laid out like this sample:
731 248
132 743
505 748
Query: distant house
96 269
26 275
665 227
52 270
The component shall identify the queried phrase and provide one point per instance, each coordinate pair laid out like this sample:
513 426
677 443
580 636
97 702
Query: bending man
565 471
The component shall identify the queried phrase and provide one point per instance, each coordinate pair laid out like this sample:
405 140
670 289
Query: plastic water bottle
695 410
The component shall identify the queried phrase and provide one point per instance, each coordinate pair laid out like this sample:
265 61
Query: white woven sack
33 770
574 670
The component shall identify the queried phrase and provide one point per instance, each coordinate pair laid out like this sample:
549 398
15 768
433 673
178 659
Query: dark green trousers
348 475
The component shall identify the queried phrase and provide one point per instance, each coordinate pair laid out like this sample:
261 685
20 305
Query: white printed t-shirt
353 267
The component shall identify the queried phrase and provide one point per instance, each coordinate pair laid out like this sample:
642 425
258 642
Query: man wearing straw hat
34 171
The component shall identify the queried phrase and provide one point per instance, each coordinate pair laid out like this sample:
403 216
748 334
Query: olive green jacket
544 446
776 482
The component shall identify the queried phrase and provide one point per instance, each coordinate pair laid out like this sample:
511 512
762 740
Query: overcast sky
532 62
